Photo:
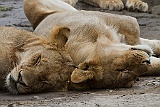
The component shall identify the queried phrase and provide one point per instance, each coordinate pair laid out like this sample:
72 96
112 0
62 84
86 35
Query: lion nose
20 79
147 62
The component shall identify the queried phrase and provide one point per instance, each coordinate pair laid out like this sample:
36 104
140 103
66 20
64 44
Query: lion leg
107 4
154 44
127 27
136 5
129 31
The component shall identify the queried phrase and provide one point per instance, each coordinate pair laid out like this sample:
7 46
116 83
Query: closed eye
38 60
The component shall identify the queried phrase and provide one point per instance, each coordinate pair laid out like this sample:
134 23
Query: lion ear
59 35
88 70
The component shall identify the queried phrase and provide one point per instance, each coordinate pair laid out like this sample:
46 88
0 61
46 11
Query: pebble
36 97
110 90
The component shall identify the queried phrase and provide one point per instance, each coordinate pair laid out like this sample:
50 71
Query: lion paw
134 5
79 76
111 4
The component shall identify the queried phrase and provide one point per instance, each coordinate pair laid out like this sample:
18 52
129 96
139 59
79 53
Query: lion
31 63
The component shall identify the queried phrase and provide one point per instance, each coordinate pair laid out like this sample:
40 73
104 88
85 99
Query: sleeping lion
78 50
31 63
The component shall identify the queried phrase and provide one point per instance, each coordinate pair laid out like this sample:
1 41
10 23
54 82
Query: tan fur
137 5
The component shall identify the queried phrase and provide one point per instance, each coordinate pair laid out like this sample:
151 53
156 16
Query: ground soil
145 92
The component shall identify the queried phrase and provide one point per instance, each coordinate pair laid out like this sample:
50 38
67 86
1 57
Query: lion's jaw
39 71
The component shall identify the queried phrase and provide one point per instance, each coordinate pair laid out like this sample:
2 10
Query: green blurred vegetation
2 8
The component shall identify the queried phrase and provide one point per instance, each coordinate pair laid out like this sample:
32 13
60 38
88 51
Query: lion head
40 65
127 67
42 70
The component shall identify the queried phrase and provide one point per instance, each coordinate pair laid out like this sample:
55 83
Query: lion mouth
20 80
16 87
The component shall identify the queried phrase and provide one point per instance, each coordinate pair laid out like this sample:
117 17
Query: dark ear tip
62 28
65 28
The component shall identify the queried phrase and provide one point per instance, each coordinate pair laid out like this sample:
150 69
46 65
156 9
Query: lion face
38 71
130 60
125 68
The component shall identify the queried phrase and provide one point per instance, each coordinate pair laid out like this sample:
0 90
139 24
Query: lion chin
16 87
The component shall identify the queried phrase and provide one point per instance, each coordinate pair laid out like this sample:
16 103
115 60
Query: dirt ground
146 91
